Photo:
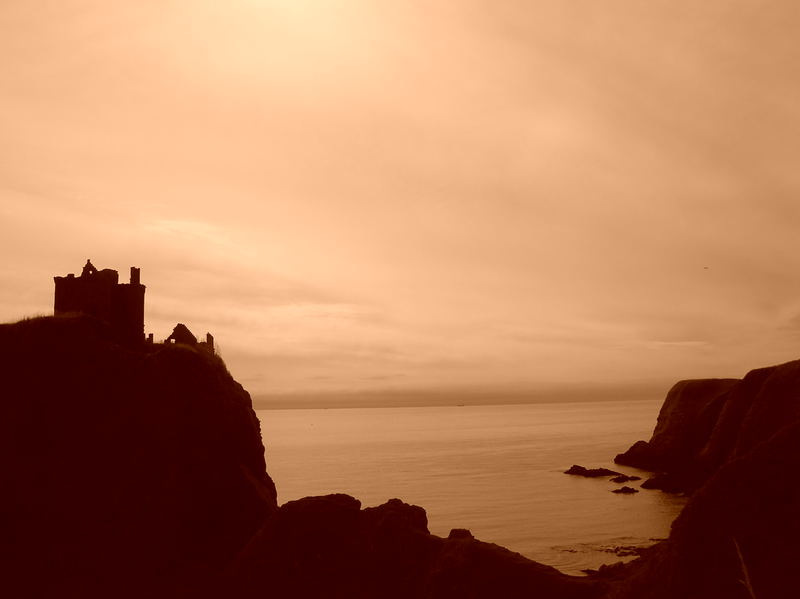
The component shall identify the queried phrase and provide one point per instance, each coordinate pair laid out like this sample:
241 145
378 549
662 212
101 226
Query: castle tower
99 294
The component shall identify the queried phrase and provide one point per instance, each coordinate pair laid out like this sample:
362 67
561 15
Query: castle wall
92 295
127 317
100 294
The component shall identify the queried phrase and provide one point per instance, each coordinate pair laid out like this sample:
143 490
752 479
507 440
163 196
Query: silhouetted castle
100 294
182 334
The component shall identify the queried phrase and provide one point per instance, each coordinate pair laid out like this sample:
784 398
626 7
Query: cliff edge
140 472
707 422
735 446
126 471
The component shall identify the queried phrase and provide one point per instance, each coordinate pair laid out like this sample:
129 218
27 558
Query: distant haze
380 196
462 396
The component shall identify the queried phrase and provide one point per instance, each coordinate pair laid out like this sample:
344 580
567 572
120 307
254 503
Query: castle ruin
182 334
100 294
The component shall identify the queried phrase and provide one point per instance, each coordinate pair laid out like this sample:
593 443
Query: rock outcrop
704 423
690 412
624 478
739 530
577 470
139 472
738 534
126 473
329 547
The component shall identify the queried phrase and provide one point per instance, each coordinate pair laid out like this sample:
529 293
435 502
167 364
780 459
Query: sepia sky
419 194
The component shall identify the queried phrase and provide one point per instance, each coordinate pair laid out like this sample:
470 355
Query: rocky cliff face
688 415
736 538
736 445
125 473
140 473
705 423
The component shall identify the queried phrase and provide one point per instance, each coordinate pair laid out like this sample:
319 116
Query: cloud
373 191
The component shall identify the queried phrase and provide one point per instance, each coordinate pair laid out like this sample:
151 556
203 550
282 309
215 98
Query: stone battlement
100 294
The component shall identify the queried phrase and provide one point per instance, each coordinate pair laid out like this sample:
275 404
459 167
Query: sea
497 470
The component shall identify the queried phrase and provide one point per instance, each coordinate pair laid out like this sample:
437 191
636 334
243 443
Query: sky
382 195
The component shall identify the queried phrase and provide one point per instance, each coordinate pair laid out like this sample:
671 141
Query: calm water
497 470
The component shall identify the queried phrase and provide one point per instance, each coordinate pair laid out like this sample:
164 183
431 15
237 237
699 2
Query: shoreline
296 440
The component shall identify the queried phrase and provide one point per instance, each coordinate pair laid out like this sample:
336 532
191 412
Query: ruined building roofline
89 271
99 293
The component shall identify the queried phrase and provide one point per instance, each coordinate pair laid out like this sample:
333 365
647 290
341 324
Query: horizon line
384 398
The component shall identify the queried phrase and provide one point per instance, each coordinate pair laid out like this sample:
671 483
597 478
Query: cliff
705 423
141 473
735 444
126 473
737 536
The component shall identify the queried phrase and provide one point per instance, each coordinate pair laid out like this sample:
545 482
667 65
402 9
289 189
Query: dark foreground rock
140 473
705 423
460 533
329 547
126 473
689 414
743 523
590 472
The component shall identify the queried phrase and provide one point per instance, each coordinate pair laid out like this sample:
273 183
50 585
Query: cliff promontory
138 471
126 472
705 423
735 446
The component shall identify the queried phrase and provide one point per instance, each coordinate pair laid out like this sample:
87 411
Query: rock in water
590 472
625 490
624 478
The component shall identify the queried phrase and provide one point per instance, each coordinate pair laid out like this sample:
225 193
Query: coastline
159 487
519 498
